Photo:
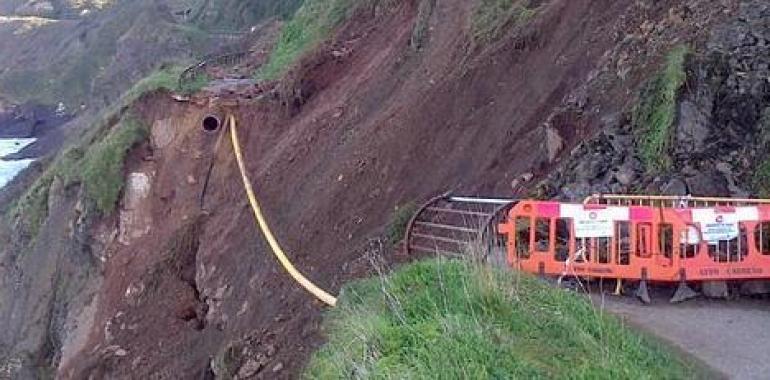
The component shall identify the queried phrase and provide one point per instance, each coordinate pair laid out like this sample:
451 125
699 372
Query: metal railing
193 72
686 201
450 226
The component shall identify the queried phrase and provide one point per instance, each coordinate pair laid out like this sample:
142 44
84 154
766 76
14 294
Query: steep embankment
365 123
406 100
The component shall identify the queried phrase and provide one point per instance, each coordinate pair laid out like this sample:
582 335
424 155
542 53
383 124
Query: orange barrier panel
661 244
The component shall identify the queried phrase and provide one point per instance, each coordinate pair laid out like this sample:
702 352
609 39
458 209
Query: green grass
491 18
313 22
101 171
761 180
655 114
96 164
441 319
166 77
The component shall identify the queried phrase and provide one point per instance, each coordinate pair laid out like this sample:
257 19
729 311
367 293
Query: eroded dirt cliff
180 283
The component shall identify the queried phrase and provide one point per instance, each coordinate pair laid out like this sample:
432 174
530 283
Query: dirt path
732 337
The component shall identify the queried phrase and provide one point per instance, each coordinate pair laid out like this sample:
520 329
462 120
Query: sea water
10 168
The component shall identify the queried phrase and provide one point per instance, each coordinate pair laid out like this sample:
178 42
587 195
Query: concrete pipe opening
211 123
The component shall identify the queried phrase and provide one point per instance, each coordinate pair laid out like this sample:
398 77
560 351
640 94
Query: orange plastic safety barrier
638 242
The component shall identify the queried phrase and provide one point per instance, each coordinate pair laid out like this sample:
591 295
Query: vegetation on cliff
655 114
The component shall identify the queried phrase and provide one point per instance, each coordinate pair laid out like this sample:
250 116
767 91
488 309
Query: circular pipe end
211 123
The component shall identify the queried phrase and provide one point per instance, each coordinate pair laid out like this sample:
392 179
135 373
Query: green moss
460 320
492 17
655 114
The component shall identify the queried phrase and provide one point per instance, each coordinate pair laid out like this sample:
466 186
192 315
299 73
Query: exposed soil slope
362 125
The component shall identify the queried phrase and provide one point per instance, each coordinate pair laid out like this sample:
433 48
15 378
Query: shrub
655 114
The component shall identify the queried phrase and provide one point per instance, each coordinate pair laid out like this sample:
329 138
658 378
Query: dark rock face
722 132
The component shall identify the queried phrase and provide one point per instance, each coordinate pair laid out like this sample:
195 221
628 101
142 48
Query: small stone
278 367
121 352
270 350
191 180
249 369
625 175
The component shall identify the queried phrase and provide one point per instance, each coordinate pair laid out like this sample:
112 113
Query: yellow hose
279 254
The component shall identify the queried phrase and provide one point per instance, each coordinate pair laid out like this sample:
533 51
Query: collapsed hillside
407 99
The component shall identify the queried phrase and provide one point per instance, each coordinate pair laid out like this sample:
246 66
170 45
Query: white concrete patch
135 218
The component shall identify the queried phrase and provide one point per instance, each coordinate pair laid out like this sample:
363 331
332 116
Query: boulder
675 186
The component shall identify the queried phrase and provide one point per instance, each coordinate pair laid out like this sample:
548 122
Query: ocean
10 168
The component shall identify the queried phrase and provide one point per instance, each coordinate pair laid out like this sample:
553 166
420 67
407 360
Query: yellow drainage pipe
262 223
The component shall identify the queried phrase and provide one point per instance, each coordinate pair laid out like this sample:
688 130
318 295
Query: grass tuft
761 180
491 18
398 223
655 114
459 320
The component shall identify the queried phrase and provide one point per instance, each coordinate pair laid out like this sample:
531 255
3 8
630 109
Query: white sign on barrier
594 223
720 226
593 228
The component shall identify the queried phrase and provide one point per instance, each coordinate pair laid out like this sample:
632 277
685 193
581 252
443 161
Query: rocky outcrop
721 132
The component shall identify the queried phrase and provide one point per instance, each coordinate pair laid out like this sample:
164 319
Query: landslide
404 101
363 124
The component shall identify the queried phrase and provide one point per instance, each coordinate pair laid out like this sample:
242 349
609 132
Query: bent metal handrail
192 72
446 224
